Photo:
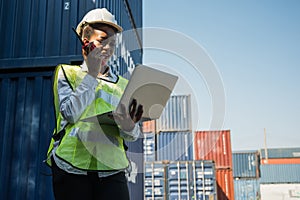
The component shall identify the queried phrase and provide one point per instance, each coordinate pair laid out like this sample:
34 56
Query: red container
214 145
149 126
278 161
225 185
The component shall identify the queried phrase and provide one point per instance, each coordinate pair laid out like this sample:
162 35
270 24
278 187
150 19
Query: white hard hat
99 15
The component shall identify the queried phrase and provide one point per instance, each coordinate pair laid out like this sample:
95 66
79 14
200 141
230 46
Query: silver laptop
151 88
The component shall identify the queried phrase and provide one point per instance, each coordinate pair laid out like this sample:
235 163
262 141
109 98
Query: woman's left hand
127 120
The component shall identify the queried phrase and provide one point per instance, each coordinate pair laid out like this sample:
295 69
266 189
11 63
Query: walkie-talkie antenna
78 36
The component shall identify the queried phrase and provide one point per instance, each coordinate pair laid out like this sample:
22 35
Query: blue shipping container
149 146
47 39
26 121
26 68
174 146
246 189
245 165
280 173
176 115
192 180
155 177
281 153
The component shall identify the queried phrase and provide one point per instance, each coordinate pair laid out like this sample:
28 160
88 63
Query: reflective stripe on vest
88 145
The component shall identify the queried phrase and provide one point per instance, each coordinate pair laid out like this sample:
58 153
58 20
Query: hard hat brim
118 28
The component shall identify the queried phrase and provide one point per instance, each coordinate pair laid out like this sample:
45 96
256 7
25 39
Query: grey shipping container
176 115
281 153
245 164
27 62
280 173
246 189
174 146
191 180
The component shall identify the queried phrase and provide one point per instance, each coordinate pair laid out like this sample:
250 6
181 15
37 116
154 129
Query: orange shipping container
279 161
149 126
225 185
214 145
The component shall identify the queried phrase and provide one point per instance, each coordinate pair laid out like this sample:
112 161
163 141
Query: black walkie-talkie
88 46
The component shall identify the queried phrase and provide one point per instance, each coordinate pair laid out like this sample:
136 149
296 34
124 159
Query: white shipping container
280 191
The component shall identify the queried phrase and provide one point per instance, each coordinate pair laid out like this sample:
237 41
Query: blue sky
255 46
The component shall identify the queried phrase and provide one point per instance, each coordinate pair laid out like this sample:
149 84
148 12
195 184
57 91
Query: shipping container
245 164
149 146
274 161
176 115
279 191
47 39
135 153
26 69
149 126
280 153
26 121
191 180
246 189
174 146
155 177
214 145
176 180
280 173
225 185
179 181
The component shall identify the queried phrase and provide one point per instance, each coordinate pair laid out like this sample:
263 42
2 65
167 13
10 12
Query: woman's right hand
93 61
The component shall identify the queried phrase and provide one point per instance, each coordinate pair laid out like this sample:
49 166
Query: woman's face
104 38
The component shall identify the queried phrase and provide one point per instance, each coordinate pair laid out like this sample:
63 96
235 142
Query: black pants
88 187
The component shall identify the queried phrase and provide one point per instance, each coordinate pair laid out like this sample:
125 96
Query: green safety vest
88 144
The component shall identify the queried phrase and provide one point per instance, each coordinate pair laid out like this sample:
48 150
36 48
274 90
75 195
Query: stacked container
155 176
176 115
149 140
168 152
216 146
191 180
180 180
170 137
280 156
280 173
174 136
175 145
27 62
246 175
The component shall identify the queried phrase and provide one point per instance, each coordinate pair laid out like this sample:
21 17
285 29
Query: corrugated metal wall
245 165
38 33
27 121
225 185
214 145
281 153
246 189
36 36
175 146
280 173
176 115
